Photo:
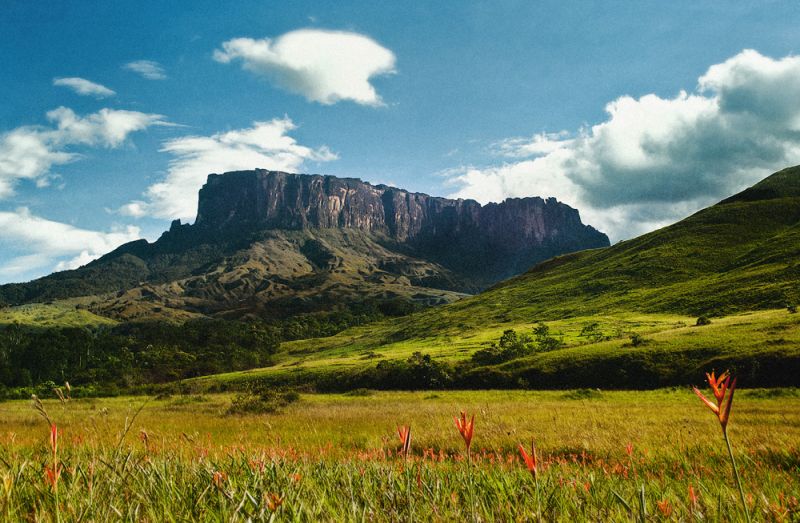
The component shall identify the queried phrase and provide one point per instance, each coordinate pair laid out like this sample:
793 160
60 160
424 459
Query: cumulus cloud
264 145
29 152
84 87
323 66
655 160
147 69
54 245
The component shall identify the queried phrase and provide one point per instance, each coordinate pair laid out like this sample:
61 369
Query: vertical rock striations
493 241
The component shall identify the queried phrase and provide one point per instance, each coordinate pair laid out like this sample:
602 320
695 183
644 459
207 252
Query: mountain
624 316
271 244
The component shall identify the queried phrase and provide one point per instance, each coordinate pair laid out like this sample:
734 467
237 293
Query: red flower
719 386
466 428
530 459
405 439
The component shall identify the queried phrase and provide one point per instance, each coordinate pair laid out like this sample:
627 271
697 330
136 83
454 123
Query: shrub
544 341
792 308
637 340
702 320
259 399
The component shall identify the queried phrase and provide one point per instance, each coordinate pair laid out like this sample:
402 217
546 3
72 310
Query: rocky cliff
497 240
266 242
277 200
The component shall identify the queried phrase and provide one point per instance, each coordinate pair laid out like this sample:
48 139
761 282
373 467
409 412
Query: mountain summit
267 243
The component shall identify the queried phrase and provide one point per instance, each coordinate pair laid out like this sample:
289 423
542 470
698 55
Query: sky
636 113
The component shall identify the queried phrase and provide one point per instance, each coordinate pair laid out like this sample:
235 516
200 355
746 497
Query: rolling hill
725 262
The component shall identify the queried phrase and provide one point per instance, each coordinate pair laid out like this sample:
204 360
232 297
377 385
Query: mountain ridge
279 232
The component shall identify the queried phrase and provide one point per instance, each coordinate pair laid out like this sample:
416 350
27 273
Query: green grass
675 351
334 458
56 314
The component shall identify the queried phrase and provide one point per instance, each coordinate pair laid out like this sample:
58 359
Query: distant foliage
511 345
703 320
792 308
132 354
593 333
419 371
544 340
259 398
637 340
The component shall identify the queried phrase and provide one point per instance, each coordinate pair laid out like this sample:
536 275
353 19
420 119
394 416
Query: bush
259 399
637 340
792 308
544 340
702 320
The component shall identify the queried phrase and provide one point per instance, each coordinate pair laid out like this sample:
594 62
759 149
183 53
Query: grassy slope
738 256
67 313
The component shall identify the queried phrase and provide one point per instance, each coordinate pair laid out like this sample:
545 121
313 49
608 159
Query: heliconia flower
405 439
274 501
664 507
692 496
720 386
219 479
466 428
54 439
51 475
531 460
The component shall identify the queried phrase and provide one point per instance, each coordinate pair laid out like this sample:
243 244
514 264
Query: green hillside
738 256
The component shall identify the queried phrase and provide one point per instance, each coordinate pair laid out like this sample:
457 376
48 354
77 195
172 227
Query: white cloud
54 245
147 69
264 145
323 66
656 160
84 87
30 152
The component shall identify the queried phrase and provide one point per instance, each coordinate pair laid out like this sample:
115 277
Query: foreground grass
610 456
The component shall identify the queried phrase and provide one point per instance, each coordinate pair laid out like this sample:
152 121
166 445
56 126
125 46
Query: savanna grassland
602 456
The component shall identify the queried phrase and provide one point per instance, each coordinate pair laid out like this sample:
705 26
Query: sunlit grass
335 457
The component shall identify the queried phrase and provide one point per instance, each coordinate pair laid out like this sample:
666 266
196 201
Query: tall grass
336 458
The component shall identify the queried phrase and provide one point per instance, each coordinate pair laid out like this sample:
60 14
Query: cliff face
274 200
272 243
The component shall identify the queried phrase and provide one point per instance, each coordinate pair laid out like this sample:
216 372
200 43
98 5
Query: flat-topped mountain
268 242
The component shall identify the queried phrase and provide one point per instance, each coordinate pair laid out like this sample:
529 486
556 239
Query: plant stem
736 474
538 498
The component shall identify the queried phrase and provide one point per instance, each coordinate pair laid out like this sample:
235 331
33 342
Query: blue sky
636 113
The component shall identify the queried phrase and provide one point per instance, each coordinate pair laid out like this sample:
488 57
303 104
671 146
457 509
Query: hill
738 256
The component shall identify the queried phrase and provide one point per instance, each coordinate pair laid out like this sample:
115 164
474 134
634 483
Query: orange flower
274 501
51 475
692 496
466 428
54 439
219 479
664 507
530 459
719 386
405 439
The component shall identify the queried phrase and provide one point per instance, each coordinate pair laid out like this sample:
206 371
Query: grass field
603 456
673 350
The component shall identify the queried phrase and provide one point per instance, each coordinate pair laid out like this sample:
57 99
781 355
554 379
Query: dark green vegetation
104 357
